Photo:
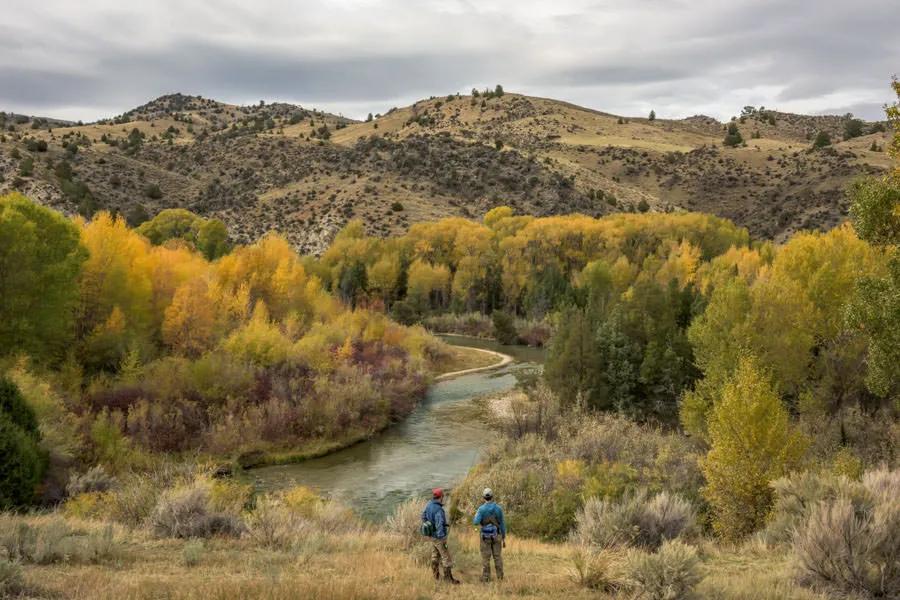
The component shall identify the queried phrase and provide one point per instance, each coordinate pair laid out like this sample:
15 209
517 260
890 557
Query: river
435 446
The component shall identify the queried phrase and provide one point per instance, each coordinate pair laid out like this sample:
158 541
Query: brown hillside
305 173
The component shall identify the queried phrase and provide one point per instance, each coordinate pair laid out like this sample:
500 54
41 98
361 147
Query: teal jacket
490 509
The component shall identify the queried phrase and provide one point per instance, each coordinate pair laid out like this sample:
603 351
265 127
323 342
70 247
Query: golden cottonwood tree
752 444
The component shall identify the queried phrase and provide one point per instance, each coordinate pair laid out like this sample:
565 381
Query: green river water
434 446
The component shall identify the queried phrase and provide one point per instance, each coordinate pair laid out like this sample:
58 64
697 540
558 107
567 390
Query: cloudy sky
88 59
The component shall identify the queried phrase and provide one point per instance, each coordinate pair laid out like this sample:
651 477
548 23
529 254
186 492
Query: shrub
273 526
153 191
11 580
669 574
14 406
504 327
22 464
396 207
821 140
635 519
26 167
850 545
595 570
404 524
302 500
733 136
186 512
53 541
96 479
192 553
89 505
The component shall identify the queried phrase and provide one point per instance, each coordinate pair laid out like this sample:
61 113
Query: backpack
490 527
427 529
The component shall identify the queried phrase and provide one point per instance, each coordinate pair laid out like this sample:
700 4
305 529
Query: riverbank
480 360
460 360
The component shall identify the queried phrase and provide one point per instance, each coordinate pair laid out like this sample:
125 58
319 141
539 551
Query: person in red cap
435 526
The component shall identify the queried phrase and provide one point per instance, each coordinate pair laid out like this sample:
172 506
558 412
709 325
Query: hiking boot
436 571
486 576
448 576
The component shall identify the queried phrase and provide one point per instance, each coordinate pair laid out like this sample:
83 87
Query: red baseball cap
437 493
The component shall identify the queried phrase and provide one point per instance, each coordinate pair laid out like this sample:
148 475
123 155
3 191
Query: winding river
435 446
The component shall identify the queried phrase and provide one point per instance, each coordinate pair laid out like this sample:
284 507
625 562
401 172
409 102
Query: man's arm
479 514
501 520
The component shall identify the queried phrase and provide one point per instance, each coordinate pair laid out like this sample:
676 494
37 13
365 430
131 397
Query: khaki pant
491 547
440 553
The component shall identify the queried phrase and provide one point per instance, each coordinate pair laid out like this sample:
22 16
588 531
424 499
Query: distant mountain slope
305 172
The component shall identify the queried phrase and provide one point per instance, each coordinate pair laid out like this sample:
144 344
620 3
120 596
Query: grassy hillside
306 173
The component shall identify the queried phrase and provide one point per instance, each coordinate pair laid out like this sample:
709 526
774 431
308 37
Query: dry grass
342 563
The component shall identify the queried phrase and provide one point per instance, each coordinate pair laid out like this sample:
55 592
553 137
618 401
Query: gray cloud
96 58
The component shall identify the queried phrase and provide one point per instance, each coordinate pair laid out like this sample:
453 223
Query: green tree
40 260
22 462
853 128
212 239
208 236
733 136
26 167
875 309
504 327
752 444
572 357
652 116
16 409
821 140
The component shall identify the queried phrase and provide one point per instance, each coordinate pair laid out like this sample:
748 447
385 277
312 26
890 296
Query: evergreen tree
733 136
22 462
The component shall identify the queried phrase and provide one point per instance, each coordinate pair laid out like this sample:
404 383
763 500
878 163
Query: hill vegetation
306 173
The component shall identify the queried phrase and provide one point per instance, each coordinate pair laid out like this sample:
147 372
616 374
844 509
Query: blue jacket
434 512
485 510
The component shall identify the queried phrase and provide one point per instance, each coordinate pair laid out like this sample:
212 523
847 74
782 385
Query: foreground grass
369 563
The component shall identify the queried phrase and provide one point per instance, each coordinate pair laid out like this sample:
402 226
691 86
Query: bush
96 479
272 525
53 541
192 553
595 570
404 524
635 519
850 545
153 191
15 407
669 574
822 139
11 581
186 512
22 465
795 497
396 206
504 328
733 136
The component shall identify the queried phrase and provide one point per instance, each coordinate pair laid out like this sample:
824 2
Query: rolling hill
305 173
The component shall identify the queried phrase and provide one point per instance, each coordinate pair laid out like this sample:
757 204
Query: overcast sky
87 59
